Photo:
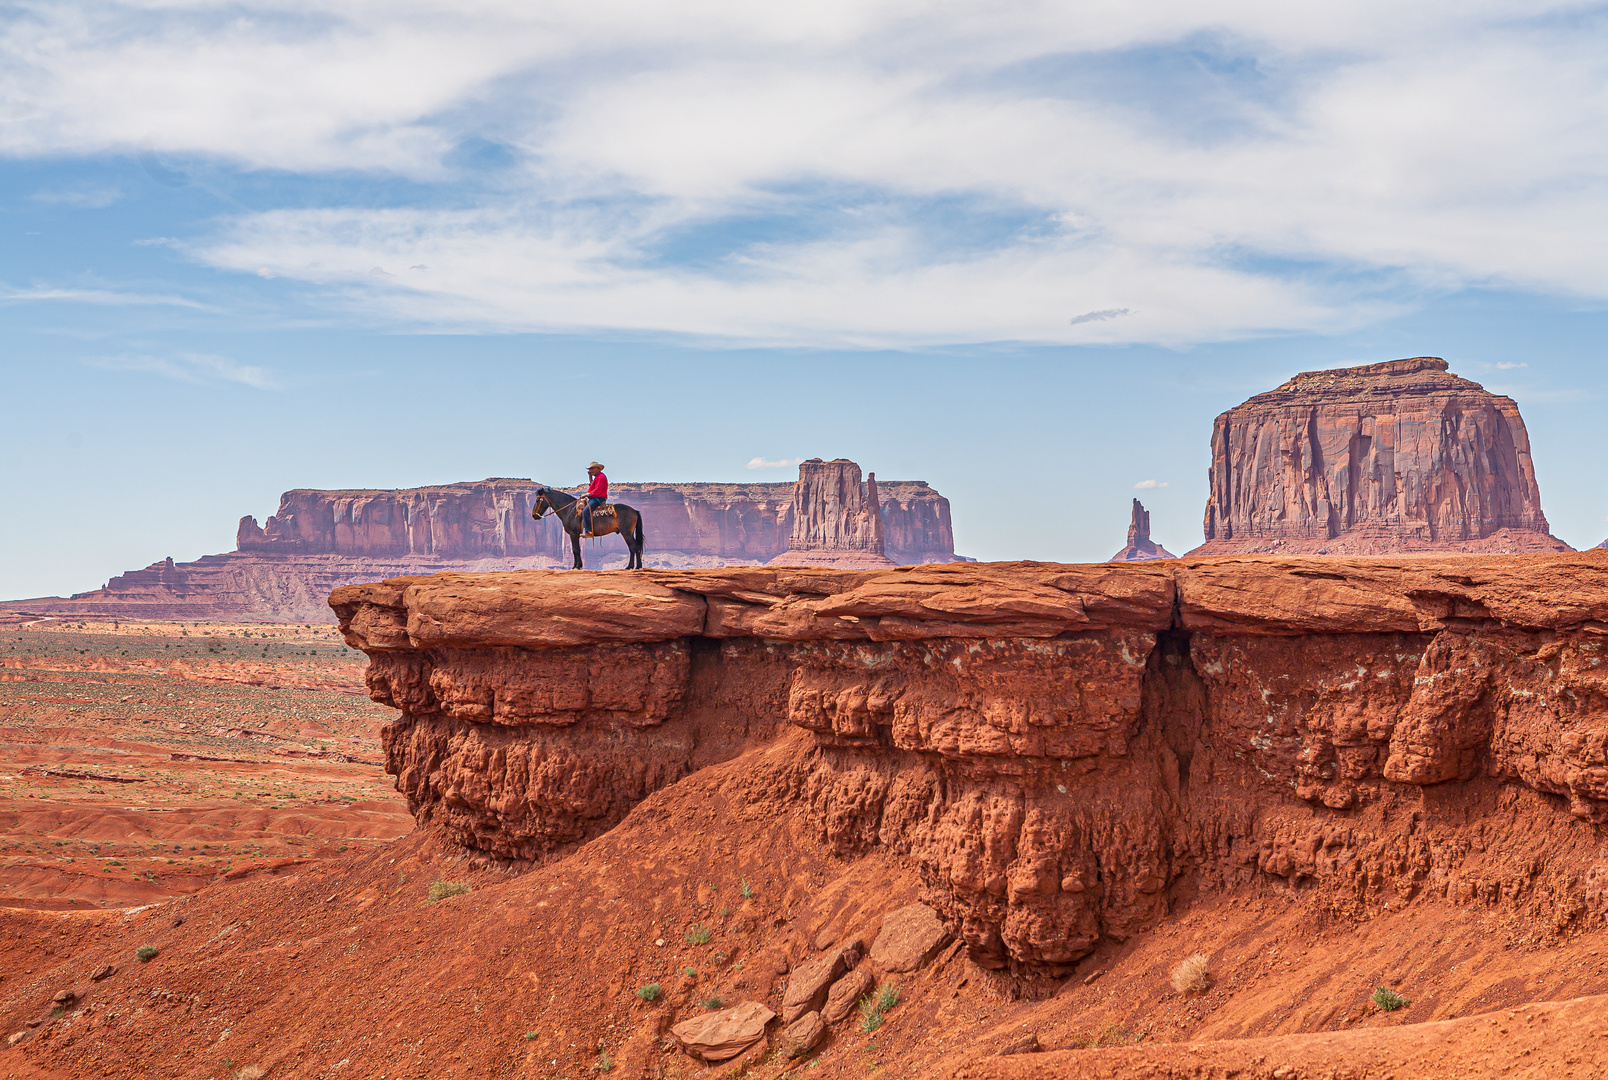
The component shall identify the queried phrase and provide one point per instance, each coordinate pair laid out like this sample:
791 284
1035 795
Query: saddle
603 519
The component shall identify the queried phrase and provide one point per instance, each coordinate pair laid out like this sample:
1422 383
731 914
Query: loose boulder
845 992
803 1035
910 937
808 984
723 1035
105 971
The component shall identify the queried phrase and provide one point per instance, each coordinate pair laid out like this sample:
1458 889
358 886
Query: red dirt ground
341 966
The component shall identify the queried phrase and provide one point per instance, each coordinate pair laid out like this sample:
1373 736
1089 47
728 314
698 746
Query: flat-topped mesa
1063 751
1140 547
837 520
1386 458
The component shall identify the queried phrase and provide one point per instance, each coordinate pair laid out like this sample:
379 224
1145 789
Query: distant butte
1393 458
1140 547
837 520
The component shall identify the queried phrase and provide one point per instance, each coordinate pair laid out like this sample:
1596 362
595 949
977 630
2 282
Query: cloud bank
857 174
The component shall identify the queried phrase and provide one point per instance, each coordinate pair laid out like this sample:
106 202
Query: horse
566 507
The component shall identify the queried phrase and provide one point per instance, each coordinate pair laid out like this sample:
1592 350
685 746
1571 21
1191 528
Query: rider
597 493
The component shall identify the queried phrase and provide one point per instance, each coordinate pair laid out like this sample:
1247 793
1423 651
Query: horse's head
539 506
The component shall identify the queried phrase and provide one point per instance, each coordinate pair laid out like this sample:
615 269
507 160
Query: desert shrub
713 1001
530 1036
698 934
690 972
1193 974
604 1062
870 1016
650 992
440 889
1389 1000
748 893
887 996
1110 1035
145 953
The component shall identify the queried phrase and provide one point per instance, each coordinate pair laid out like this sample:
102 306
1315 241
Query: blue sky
1024 252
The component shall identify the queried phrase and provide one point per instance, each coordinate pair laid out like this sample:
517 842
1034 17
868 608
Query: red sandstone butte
837 520
1056 748
1140 547
1387 458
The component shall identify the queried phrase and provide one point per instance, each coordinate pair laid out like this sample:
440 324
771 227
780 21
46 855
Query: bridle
540 508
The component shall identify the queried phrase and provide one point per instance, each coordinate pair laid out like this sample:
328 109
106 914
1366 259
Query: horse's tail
639 540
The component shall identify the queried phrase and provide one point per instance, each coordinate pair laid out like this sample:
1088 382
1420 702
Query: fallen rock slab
910 936
807 986
803 1035
845 992
723 1035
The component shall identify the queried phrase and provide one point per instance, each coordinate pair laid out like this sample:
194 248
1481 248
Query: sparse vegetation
440 889
874 1007
1193 974
604 1062
145 953
1388 999
1110 1035
650 992
690 972
698 934
530 1036
713 1001
748 893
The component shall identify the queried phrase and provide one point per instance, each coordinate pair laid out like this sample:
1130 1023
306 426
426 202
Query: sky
1024 251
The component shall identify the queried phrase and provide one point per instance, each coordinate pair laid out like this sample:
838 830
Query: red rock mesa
837 520
1395 457
317 541
1140 547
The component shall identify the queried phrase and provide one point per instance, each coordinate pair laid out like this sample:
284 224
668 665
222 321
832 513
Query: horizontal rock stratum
1386 458
1059 748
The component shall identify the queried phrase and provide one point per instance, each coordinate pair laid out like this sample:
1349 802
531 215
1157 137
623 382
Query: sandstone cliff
1140 547
1062 751
837 520
1395 457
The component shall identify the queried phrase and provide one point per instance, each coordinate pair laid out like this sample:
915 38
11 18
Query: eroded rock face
837 520
1140 547
1062 750
1394 457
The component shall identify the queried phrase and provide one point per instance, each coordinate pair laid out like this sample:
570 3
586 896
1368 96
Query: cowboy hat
594 465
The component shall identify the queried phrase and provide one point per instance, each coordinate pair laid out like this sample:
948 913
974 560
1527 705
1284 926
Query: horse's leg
575 542
633 540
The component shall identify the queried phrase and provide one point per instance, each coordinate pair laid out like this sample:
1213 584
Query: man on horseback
597 493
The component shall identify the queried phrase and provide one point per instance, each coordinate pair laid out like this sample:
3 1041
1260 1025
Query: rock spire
1140 547
1396 457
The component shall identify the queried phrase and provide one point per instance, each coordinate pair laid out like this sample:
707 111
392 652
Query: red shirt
599 488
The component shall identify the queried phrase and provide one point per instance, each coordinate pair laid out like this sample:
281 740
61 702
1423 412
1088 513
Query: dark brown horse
567 508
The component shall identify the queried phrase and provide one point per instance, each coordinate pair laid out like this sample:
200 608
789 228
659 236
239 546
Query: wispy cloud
765 463
1151 485
1099 316
99 296
1508 366
846 174
190 368
82 198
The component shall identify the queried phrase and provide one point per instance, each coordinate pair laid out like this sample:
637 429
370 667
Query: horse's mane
553 495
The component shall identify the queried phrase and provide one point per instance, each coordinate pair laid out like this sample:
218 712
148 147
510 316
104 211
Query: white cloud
1509 366
112 297
762 463
1324 168
1151 485
190 368
80 198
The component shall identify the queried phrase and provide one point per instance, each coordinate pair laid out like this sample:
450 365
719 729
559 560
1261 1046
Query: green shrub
1389 1000
145 953
604 1062
650 992
748 893
887 996
711 1002
698 934
870 1016
690 972
440 890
